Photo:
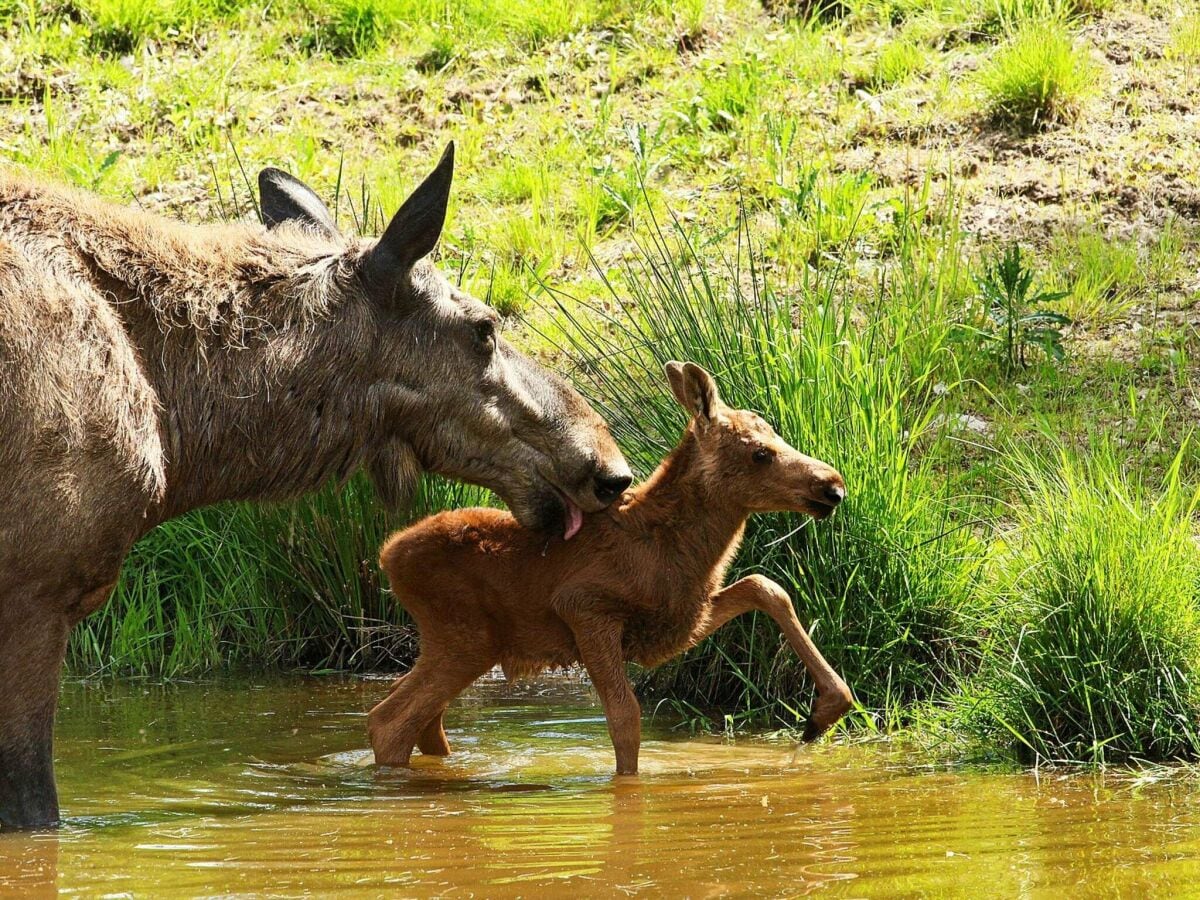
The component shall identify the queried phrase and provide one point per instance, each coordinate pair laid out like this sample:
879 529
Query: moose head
450 395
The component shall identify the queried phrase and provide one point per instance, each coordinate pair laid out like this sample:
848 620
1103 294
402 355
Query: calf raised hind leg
758 592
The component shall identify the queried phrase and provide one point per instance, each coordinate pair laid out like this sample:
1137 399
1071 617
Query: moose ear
694 388
283 198
415 229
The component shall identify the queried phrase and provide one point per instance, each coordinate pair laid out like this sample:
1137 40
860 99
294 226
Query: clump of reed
1096 649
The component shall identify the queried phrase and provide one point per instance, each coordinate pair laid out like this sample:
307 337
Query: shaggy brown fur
149 367
642 582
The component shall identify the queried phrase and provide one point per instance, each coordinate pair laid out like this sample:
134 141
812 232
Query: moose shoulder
149 367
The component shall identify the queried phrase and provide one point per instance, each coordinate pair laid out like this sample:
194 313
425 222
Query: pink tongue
574 520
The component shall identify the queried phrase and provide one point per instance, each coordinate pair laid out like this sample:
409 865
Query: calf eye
485 335
763 455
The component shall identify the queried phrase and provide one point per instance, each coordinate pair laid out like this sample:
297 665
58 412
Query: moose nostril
835 494
610 487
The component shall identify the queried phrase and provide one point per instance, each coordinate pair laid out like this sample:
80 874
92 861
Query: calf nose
610 487
834 494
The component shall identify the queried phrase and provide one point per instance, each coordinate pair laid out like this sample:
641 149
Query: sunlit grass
898 61
1102 275
1184 44
1097 650
1039 76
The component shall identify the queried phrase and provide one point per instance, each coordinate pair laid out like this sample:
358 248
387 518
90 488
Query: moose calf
641 581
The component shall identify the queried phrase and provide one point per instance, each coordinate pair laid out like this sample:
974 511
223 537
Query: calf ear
414 230
283 198
695 390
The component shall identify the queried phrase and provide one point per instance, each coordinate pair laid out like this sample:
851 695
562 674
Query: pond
266 788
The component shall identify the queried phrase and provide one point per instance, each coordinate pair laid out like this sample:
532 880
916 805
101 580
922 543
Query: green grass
275 586
1102 276
1006 16
341 28
898 61
348 28
824 218
1185 38
1094 592
1040 77
1184 45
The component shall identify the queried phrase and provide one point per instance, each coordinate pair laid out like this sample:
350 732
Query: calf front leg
600 649
757 592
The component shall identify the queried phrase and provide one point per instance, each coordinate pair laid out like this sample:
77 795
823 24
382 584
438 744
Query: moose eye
763 455
485 335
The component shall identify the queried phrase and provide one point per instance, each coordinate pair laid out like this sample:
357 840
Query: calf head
744 459
450 394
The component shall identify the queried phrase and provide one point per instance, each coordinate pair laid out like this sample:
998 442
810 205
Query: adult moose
149 367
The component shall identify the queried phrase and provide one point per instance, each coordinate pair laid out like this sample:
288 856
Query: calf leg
600 649
432 741
758 592
414 708
33 643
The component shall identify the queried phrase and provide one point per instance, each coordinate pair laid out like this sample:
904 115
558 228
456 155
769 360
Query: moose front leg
33 642
600 649
757 592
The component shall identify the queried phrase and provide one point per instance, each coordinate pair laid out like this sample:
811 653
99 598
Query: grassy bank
949 247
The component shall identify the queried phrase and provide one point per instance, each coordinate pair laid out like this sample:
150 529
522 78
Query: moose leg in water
599 642
432 741
415 706
32 647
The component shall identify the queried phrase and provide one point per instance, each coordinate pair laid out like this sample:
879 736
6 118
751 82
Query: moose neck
262 375
690 516
259 367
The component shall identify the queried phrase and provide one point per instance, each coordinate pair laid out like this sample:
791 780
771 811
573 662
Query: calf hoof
390 753
826 712
812 731
393 759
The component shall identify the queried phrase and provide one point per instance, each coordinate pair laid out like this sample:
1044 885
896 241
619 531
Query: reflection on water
265 789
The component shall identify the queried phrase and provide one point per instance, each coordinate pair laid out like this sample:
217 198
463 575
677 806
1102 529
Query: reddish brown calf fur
641 582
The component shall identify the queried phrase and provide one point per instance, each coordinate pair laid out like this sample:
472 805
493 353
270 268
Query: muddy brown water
265 789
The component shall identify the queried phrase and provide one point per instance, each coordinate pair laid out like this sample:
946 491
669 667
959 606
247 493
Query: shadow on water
266 788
